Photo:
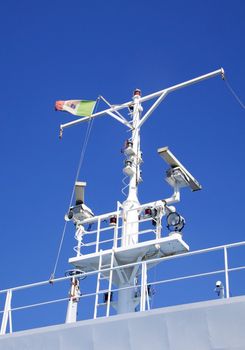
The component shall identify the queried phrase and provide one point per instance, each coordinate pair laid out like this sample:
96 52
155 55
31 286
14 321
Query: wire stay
233 93
83 151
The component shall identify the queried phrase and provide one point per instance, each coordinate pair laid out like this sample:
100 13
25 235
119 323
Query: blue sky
54 50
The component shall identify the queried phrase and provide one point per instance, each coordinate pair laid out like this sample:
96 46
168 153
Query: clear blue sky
58 50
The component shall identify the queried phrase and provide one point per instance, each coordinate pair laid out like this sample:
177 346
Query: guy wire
84 147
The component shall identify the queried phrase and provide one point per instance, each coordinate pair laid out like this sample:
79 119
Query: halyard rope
84 147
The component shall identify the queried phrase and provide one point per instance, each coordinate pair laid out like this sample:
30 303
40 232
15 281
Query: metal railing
7 312
111 234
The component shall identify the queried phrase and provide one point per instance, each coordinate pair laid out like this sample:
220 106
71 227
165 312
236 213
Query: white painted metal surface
226 273
165 246
208 325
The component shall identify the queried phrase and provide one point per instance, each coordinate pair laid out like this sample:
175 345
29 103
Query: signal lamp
113 221
151 213
137 92
148 212
128 143
128 163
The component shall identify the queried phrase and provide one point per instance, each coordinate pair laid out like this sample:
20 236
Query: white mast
130 229
130 213
131 221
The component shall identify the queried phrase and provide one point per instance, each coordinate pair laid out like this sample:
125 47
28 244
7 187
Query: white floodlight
79 191
177 175
175 222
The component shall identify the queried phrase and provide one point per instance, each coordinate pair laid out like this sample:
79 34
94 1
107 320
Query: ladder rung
101 276
101 304
103 291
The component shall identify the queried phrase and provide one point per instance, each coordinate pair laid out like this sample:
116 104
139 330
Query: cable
233 93
84 147
72 195
126 184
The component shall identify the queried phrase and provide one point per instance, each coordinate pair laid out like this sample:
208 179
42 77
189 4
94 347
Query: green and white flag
81 108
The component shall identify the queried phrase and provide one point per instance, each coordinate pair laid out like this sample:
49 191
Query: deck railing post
7 314
98 236
115 240
143 286
227 287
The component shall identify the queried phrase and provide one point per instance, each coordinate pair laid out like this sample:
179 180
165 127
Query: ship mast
131 223
135 159
129 211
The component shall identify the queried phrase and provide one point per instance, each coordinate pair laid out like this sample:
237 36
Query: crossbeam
162 93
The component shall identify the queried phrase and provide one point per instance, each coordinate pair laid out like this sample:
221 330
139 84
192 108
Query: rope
84 147
233 93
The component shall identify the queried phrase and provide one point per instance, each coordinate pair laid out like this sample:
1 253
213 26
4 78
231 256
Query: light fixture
128 162
128 148
175 222
113 220
128 169
148 212
137 92
151 212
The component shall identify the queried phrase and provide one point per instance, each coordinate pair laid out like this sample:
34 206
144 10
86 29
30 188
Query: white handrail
7 312
128 287
60 279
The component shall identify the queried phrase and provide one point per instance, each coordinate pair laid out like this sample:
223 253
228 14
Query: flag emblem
81 108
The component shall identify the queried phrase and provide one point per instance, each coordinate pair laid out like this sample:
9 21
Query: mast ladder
101 276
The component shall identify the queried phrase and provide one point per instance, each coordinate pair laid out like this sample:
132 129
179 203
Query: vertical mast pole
131 226
133 184
71 313
130 216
